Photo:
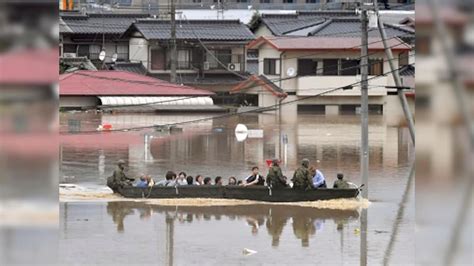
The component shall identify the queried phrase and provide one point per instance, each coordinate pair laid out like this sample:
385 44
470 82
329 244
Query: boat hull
258 193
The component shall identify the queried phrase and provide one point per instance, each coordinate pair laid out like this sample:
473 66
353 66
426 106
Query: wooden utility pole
364 107
174 52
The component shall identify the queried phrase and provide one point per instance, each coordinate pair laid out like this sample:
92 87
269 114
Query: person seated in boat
199 180
318 178
232 181
172 179
341 182
207 181
181 180
142 183
118 178
189 180
275 175
218 181
149 180
254 179
302 178
169 179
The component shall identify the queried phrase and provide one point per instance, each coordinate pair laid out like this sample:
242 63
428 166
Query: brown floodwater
100 228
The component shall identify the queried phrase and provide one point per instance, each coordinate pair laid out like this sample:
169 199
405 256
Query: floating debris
248 252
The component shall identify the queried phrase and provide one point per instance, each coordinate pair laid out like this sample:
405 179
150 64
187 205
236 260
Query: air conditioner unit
205 65
69 55
233 66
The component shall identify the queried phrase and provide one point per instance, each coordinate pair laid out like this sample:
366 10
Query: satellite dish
213 6
114 57
102 55
241 132
291 72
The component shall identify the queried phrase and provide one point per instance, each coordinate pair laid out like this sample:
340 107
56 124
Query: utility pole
396 77
173 42
364 107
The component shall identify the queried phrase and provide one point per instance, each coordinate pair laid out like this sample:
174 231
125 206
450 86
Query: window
265 1
307 67
375 67
196 1
83 50
349 67
330 67
224 56
312 1
242 1
122 52
183 60
69 48
94 51
288 1
403 58
270 66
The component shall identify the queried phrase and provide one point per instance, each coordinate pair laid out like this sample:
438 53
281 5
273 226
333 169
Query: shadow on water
304 221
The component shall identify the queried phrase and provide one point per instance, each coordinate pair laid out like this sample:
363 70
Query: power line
231 114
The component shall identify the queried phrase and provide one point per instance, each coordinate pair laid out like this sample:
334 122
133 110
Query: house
86 35
211 53
307 53
123 91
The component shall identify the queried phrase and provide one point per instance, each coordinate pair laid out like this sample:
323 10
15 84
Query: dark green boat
258 193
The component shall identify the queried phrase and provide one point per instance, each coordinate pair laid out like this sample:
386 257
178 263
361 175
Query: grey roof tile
338 24
98 23
210 30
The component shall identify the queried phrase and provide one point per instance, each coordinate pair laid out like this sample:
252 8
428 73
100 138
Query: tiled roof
326 43
120 83
97 23
407 70
340 24
211 30
262 81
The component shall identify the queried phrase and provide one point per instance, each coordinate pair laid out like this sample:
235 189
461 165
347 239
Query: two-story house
305 54
86 35
210 53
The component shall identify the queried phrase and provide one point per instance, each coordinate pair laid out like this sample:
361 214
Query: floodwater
100 228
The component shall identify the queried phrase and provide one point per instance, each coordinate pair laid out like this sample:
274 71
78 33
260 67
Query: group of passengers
305 177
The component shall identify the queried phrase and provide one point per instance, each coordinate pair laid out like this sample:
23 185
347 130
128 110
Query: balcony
312 85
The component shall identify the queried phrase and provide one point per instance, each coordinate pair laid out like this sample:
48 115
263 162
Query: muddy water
101 228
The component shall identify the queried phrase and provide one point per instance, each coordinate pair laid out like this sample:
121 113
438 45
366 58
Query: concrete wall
138 50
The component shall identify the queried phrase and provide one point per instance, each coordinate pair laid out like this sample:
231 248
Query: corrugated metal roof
115 83
209 30
98 23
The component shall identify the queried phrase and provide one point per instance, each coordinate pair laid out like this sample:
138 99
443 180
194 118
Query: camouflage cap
119 162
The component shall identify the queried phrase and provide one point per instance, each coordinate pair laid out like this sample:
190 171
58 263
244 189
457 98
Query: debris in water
248 252
357 231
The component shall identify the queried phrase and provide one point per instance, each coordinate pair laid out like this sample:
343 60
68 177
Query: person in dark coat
118 178
302 178
275 176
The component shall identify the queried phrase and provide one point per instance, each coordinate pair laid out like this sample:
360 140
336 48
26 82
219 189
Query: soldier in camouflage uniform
275 176
118 178
302 178
340 182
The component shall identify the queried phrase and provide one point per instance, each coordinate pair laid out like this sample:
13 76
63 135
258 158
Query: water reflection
305 221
